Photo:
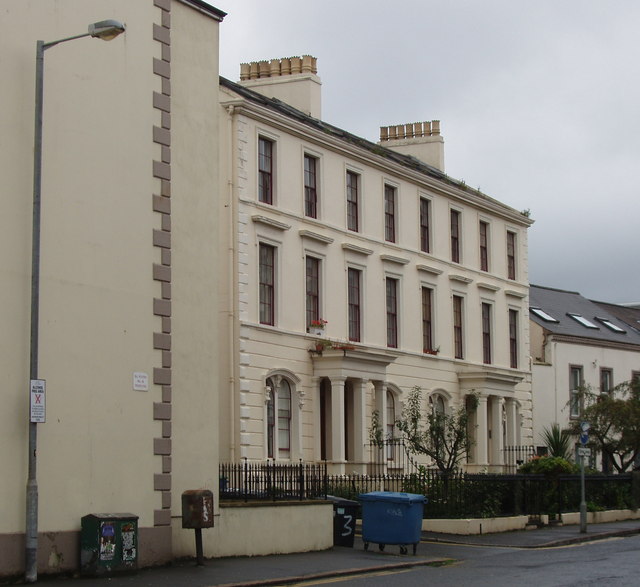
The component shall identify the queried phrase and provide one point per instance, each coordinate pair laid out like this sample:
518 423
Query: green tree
559 441
442 437
614 418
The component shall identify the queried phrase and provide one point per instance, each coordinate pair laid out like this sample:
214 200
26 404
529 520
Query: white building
575 344
422 282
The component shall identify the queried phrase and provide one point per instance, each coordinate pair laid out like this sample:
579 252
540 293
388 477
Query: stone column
381 402
377 454
316 420
360 432
497 454
337 420
482 432
512 422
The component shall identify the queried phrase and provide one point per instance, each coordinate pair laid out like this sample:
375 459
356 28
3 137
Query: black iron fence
272 481
453 495
514 456
393 457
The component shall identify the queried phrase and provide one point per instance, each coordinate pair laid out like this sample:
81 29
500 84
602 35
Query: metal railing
453 495
392 457
514 456
272 481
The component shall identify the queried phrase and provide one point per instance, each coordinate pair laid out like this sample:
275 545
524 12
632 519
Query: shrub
549 466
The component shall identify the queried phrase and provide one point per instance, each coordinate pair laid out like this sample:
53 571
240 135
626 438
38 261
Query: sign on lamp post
38 406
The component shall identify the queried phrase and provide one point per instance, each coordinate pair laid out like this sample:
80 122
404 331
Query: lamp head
106 29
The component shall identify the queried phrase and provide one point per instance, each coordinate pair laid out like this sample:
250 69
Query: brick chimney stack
422 140
292 80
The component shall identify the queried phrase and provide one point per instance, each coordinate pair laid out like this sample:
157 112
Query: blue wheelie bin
390 517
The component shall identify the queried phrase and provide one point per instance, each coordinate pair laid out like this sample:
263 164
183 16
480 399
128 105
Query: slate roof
630 315
559 304
405 160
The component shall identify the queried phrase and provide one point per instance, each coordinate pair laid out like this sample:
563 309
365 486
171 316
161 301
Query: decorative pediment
316 236
258 219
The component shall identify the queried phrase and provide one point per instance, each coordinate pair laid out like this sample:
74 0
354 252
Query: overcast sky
539 103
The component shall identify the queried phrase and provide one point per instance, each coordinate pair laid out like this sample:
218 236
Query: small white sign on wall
140 382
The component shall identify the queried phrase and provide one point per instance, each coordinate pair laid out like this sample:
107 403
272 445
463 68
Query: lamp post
106 30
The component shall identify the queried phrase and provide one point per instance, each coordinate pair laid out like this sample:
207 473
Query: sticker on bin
107 541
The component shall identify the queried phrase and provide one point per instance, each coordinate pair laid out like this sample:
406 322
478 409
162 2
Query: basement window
582 320
540 313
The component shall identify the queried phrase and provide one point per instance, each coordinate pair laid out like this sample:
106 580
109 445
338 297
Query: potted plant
321 345
432 351
316 327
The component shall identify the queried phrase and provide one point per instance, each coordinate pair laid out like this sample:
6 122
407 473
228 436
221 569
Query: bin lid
393 496
342 501
110 516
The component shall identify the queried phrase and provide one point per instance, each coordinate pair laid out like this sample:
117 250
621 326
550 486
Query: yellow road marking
349 577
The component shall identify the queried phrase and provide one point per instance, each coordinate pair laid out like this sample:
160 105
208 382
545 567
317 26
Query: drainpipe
233 311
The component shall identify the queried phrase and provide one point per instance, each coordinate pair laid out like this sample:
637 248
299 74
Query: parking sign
38 403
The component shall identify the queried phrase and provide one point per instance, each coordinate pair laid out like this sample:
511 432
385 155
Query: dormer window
540 313
610 325
582 320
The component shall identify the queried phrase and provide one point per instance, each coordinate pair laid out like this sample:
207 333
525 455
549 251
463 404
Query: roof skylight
610 325
540 313
582 320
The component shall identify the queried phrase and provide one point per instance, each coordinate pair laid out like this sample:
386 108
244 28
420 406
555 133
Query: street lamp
105 30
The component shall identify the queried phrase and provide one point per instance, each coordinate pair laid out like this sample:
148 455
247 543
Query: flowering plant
320 323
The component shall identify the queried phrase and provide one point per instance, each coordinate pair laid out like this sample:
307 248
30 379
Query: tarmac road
610 562
551 556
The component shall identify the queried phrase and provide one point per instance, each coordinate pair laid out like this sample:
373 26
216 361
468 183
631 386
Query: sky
539 103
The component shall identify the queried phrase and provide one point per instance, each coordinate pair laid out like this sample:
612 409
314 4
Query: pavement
289 569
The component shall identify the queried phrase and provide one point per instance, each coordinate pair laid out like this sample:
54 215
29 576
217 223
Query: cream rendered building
128 272
422 282
576 343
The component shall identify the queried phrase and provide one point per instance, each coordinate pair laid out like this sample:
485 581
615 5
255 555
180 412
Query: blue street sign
584 434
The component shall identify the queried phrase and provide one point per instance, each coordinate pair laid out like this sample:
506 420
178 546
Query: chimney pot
384 133
274 68
285 67
435 127
296 65
263 68
306 64
245 71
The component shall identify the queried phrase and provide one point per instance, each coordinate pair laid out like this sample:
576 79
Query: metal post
31 535
583 501
199 552
105 30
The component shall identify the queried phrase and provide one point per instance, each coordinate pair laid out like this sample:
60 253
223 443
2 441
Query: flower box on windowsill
431 351
317 327
342 347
